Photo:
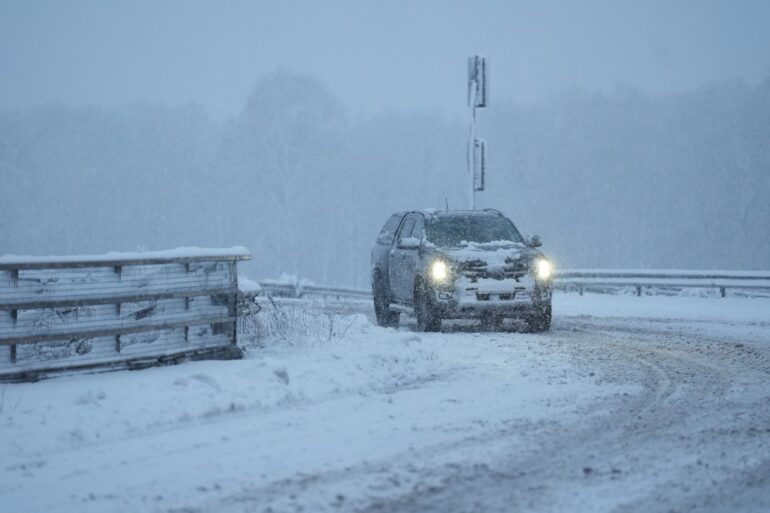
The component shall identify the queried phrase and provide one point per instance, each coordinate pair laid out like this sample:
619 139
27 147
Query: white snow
326 411
248 286
123 434
665 308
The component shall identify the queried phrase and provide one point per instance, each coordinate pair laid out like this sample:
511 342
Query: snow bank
319 393
690 308
337 355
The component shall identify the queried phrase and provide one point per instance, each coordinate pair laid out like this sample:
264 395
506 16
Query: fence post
639 290
722 291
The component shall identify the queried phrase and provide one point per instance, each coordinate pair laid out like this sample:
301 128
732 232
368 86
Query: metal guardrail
122 309
594 280
300 290
597 280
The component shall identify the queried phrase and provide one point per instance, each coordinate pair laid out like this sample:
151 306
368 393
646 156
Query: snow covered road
628 404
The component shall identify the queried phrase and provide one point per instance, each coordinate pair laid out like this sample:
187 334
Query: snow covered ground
629 403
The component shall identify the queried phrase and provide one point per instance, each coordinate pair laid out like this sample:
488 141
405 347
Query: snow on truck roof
434 212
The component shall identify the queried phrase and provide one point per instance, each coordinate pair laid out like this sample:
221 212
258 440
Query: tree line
609 180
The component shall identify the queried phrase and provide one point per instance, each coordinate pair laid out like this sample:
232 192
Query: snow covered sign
479 163
477 81
477 148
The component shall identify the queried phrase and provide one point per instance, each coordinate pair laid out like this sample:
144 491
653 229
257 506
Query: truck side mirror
534 241
409 243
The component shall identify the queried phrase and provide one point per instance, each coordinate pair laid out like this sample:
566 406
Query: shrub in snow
294 323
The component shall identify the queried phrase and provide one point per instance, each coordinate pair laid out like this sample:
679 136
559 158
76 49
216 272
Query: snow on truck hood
494 254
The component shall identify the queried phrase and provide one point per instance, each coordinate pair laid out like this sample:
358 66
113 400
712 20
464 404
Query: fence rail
598 280
300 290
118 309
595 280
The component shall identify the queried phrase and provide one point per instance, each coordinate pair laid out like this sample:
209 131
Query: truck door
402 261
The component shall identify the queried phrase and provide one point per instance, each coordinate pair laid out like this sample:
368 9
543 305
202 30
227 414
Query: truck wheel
540 321
381 294
428 318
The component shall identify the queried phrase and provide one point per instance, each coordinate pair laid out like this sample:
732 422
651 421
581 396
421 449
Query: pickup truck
459 264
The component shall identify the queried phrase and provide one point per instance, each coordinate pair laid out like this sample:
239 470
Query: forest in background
608 180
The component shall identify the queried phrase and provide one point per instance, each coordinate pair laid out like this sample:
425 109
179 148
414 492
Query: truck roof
433 212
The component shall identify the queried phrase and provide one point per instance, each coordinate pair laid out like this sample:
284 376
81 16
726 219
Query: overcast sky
374 54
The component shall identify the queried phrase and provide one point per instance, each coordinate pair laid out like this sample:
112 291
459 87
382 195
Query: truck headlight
439 271
543 268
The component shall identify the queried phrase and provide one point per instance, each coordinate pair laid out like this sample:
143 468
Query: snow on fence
579 280
123 309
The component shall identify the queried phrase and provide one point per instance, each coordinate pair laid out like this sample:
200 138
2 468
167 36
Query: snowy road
628 404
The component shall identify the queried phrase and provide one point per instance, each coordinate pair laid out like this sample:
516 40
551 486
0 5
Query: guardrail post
639 290
722 291
232 306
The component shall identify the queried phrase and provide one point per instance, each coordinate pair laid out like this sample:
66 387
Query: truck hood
493 257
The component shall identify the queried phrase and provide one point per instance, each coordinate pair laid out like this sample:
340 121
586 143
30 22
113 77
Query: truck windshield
455 231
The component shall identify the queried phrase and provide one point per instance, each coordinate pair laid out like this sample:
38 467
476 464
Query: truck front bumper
486 296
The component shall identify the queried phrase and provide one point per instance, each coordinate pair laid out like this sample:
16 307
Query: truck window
406 228
388 232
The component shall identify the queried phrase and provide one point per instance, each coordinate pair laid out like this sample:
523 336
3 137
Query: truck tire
540 321
382 299
428 317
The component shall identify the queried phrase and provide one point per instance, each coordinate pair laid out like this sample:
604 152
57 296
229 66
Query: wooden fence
129 310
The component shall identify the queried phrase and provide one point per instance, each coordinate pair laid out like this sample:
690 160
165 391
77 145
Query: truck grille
475 269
